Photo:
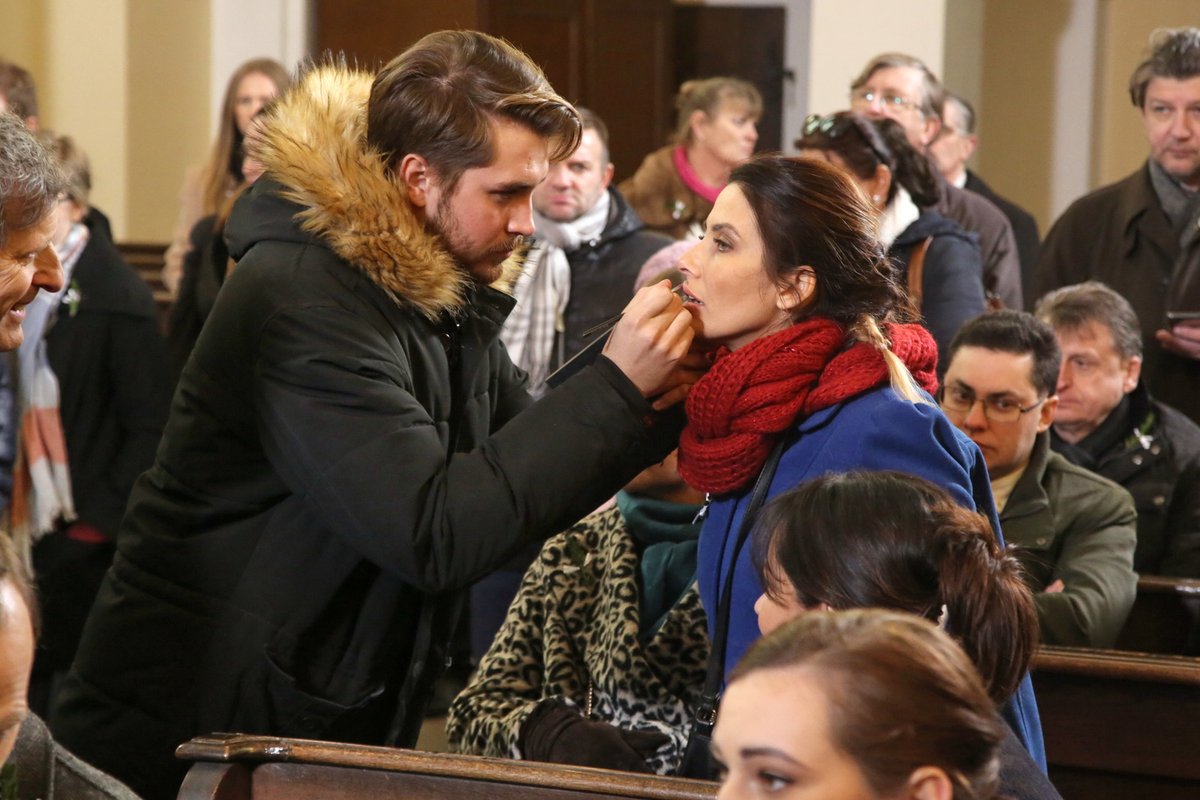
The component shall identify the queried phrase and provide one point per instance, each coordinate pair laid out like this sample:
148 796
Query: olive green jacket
1072 525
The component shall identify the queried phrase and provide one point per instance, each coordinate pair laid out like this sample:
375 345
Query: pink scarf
689 177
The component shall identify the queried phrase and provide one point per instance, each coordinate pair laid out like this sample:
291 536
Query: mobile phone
1181 316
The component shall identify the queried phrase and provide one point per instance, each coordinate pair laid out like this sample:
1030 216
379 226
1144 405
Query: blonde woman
206 188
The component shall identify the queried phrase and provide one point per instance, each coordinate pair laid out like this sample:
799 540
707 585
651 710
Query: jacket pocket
295 711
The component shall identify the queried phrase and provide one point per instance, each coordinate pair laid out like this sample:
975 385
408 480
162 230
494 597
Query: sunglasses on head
834 126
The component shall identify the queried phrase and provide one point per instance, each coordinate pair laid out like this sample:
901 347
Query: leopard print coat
572 634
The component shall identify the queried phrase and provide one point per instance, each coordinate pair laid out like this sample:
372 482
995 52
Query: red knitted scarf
752 394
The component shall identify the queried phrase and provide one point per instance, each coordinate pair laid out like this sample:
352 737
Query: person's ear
880 184
416 179
607 177
929 783
1133 373
931 127
797 289
1046 412
970 142
696 123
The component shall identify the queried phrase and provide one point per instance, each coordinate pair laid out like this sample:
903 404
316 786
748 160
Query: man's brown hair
1174 54
16 86
437 100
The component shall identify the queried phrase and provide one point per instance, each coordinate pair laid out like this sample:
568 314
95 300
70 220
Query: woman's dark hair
864 144
892 540
901 694
811 214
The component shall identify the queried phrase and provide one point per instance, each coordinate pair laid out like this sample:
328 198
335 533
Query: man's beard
482 263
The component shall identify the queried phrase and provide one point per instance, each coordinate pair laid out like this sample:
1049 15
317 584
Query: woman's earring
875 199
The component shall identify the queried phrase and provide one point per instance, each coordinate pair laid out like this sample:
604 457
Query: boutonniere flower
71 299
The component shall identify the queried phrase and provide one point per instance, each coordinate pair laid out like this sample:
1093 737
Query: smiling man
350 445
29 188
1072 529
1141 235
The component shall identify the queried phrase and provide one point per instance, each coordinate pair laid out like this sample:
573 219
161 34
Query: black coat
952 279
111 365
603 272
349 447
1024 227
1153 452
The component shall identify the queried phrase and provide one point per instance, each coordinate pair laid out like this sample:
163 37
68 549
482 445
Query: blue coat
874 431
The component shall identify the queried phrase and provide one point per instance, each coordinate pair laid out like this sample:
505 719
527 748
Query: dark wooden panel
629 78
1165 617
1118 721
744 42
373 32
550 32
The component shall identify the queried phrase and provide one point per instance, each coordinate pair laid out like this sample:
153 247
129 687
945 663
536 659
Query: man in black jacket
589 245
1107 422
350 445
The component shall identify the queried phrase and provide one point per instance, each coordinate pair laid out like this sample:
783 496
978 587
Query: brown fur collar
314 143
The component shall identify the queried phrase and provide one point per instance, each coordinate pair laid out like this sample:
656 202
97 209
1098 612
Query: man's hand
654 333
1056 587
1183 339
690 369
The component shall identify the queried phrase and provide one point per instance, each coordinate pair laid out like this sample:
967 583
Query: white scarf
899 214
544 287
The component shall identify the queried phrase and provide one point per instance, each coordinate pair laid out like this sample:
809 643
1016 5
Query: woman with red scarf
815 345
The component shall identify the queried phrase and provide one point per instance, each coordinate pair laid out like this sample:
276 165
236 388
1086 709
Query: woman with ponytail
816 362
946 279
889 540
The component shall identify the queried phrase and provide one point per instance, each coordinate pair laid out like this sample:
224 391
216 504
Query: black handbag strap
706 707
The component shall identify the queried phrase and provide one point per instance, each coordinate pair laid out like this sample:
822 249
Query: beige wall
168 121
1125 30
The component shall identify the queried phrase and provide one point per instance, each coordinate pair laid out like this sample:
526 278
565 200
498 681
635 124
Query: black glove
561 735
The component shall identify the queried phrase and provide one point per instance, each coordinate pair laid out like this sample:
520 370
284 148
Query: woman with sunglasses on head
817 367
857 705
890 540
939 261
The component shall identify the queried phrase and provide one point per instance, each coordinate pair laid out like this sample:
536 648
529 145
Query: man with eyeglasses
902 88
1073 530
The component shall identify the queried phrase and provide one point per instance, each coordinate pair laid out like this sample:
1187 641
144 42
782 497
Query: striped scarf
42 477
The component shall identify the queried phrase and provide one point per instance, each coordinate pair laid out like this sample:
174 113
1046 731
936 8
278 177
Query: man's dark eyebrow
513 187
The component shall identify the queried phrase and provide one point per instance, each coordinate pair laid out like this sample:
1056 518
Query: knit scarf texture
751 395
42 477
544 288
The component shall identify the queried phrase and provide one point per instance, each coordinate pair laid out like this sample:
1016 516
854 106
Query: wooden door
740 41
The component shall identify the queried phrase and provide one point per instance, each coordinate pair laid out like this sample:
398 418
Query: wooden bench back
239 767
1165 617
1119 725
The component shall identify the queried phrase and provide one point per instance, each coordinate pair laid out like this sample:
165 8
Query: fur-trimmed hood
314 144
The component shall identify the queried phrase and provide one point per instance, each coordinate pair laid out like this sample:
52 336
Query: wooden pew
1165 617
242 767
1119 725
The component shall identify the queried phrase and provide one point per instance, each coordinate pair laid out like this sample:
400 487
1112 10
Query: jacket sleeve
486 717
1095 565
951 288
341 424
1001 265
1182 557
1063 259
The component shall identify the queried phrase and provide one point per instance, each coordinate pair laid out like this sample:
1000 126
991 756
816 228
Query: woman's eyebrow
724 227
